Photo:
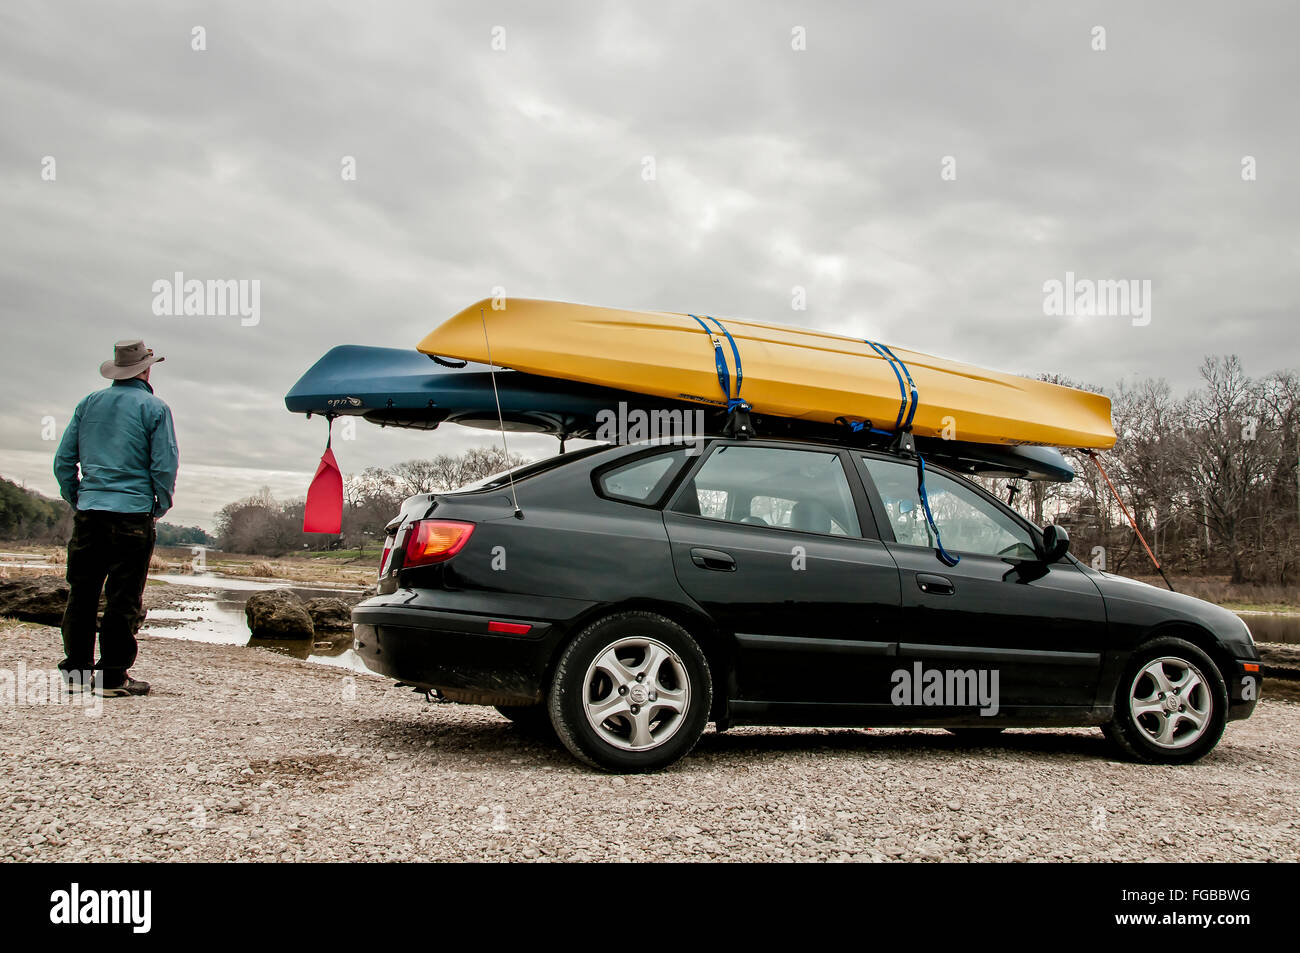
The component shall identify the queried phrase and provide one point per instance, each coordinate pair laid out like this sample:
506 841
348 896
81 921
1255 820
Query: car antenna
492 371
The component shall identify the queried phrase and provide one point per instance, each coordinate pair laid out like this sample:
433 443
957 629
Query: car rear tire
631 693
1171 704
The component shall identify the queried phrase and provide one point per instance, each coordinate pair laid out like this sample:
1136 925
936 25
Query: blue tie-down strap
857 426
911 386
907 397
719 360
735 352
947 558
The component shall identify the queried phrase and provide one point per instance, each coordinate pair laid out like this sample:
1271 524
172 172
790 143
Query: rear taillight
434 541
383 560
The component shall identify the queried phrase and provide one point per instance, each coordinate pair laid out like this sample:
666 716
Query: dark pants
108 552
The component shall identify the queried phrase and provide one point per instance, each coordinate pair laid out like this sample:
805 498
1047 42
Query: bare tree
1228 452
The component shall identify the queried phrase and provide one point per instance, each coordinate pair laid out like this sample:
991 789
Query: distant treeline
169 535
28 516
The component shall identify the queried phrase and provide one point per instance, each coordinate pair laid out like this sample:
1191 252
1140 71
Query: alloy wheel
636 694
1171 702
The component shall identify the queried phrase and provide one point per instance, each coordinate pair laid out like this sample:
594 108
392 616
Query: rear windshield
519 473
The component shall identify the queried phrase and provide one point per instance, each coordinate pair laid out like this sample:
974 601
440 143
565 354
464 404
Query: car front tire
1171 704
631 693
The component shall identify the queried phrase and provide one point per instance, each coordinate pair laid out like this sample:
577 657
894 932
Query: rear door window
801 490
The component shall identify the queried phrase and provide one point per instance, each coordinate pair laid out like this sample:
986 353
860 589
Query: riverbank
340 568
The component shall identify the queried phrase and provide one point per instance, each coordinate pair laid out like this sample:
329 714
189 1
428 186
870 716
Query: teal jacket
124 440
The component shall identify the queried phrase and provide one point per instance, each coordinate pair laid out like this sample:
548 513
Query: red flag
324 510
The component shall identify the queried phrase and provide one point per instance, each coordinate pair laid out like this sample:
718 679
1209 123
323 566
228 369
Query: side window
643 480
804 490
969 523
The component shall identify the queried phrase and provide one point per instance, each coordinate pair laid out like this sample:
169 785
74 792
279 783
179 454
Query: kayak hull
790 373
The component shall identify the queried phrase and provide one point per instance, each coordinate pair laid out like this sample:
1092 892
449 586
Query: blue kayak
393 387
401 388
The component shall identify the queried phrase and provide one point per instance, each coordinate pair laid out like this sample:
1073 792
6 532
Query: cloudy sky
522 167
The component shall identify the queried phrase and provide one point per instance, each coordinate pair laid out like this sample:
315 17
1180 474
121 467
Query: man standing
123 439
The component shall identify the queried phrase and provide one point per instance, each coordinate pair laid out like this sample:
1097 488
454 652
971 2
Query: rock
36 599
329 613
39 599
1279 660
277 614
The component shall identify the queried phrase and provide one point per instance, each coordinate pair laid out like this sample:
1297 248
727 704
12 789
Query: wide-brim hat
130 358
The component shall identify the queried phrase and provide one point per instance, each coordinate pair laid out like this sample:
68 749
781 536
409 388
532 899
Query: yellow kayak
783 371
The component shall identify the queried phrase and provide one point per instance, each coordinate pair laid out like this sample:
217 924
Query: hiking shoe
131 686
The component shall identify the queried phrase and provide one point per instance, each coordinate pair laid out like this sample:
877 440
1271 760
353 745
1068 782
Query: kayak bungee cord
519 514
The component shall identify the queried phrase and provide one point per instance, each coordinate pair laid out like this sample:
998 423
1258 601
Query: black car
625 596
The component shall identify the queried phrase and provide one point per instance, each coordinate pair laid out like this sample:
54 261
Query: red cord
1131 522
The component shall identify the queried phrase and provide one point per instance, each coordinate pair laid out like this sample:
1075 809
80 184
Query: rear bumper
454 652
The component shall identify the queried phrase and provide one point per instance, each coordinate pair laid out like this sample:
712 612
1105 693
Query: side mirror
1056 542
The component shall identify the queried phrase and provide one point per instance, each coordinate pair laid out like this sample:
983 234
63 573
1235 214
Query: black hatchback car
636 593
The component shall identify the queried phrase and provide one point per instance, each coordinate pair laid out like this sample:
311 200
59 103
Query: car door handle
713 559
934 585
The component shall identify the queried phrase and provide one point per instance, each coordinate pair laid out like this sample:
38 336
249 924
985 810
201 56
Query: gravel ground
242 754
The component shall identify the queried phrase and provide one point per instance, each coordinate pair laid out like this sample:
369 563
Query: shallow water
1273 626
217 617
240 584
